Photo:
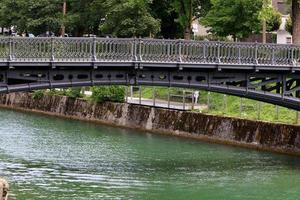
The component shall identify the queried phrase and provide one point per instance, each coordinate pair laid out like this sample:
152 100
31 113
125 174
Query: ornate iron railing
146 50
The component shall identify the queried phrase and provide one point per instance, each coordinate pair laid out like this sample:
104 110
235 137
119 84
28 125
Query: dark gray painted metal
265 72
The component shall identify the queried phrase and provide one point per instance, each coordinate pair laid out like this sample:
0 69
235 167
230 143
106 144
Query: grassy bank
225 105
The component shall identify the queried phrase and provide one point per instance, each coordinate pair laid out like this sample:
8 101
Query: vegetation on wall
108 93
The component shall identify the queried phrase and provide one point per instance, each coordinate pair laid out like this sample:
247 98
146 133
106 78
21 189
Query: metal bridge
264 72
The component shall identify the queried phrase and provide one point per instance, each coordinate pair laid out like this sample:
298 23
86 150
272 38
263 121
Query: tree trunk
64 11
264 31
296 21
187 33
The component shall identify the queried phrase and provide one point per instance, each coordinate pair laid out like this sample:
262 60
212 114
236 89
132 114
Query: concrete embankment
246 133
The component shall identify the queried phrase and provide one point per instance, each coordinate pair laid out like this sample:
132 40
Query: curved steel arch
280 88
272 98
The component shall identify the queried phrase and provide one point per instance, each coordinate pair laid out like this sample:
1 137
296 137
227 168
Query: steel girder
280 87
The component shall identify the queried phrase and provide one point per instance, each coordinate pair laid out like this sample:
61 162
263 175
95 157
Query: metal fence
146 50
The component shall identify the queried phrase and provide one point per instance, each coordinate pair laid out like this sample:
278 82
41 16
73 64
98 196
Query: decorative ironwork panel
193 52
73 49
151 50
31 49
295 55
147 50
4 49
211 52
110 49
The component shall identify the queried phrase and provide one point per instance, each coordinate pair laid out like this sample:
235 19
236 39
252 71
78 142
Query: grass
225 105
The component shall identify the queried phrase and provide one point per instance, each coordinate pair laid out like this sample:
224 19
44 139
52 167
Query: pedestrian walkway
164 104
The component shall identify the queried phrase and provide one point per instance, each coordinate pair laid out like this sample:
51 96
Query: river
50 158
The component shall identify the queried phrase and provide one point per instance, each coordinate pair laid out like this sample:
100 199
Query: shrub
38 94
108 93
289 25
73 93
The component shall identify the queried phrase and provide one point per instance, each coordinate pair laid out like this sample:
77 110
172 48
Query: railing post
241 107
126 97
52 50
133 50
179 59
258 109
204 52
218 52
169 97
140 50
208 101
94 53
256 53
154 96
239 54
273 56
292 57
10 56
140 95
183 99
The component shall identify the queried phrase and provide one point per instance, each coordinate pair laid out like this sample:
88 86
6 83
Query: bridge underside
280 87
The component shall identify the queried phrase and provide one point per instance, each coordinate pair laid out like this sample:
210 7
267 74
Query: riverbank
265 136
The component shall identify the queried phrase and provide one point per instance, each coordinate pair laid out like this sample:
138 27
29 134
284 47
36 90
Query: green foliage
39 94
273 21
73 93
108 93
129 18
227 105
70 92
237 18
170 28
211 37
270 15
31 15
289 25
84 16
160 92
188 11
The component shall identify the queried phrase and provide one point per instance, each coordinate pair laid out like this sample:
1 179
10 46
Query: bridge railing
146 50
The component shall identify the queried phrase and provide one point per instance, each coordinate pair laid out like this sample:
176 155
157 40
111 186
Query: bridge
264 72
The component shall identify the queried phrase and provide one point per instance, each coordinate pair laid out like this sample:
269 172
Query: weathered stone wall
240 132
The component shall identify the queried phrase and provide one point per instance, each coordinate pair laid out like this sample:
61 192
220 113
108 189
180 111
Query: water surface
48 158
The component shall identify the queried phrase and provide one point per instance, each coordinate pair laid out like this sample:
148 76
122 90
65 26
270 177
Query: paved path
164 104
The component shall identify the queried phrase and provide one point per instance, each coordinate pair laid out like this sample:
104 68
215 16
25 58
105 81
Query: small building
198 29
283 36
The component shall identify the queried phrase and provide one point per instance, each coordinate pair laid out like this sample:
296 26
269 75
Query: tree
296 21
238 18
84 16
273 21
129 18
270 18
170 28
188 11
31 15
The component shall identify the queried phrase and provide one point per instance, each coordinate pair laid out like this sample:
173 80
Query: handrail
18 49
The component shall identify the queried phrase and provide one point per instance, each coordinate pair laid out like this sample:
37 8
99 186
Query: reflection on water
49 158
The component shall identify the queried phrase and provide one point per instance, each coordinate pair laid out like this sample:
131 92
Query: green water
50 158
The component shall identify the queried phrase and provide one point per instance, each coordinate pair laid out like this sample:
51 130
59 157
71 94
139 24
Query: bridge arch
264 72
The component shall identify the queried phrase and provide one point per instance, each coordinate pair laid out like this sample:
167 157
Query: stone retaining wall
252 134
